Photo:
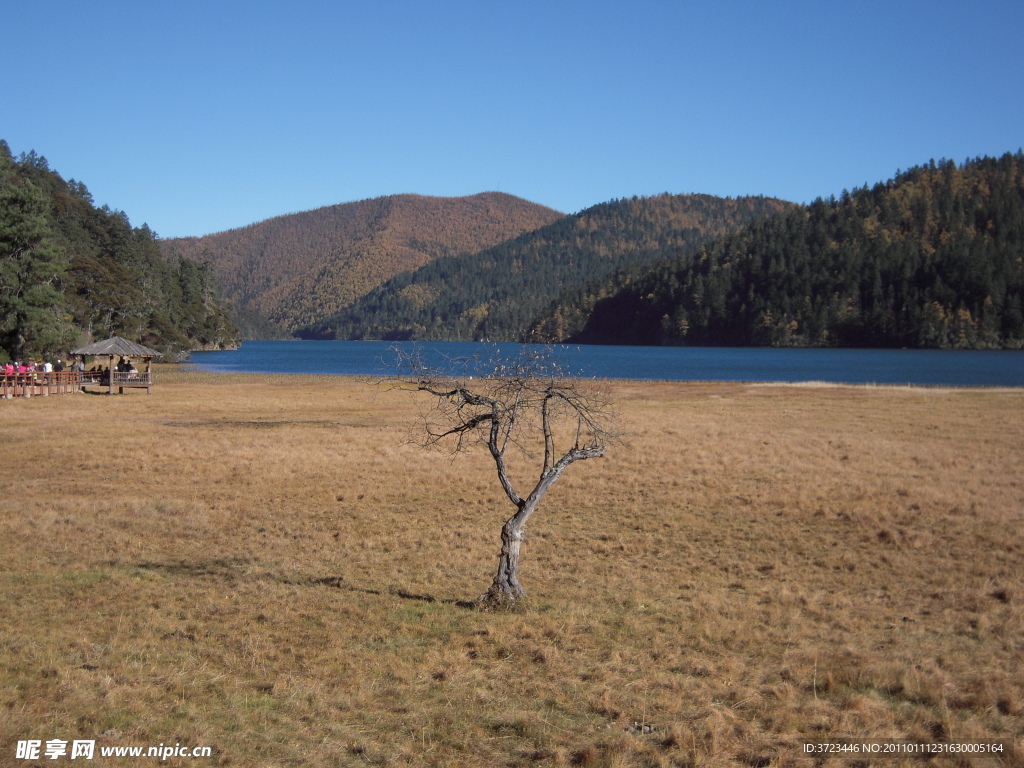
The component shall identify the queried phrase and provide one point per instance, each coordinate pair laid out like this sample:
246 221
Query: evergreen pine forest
931 259
71 272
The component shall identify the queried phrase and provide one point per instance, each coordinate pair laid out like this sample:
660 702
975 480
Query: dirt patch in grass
255 564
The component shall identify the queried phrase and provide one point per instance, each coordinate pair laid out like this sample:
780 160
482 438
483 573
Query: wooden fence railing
38 383
137 379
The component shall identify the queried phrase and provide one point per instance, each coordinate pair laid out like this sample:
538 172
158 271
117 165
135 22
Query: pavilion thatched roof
116 346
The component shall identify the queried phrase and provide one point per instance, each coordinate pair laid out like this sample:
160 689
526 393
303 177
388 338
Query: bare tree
527 404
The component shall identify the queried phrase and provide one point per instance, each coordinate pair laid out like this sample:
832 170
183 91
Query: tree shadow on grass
234 569
337 582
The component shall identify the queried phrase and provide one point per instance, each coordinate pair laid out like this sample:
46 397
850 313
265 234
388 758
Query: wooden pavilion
126 350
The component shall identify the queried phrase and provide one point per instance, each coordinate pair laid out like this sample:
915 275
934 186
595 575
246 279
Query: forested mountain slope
932 258
301 268
496 293
72 272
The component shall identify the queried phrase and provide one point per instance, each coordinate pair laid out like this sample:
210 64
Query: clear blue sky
196 117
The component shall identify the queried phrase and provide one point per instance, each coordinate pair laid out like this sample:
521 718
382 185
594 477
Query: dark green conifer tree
31 307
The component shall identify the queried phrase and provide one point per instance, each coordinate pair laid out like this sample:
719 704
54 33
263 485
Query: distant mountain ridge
931 258
497 293
298 269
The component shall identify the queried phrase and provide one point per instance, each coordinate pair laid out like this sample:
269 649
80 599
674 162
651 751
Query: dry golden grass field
261 565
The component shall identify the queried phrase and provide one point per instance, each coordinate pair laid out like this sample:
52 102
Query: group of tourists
37 369
124 365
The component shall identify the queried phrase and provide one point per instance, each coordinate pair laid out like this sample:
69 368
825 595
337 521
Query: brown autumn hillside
301 268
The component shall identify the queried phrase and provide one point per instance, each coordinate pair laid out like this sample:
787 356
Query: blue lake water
964 368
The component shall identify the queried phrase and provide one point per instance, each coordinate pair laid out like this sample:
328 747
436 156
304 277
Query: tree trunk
506 589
